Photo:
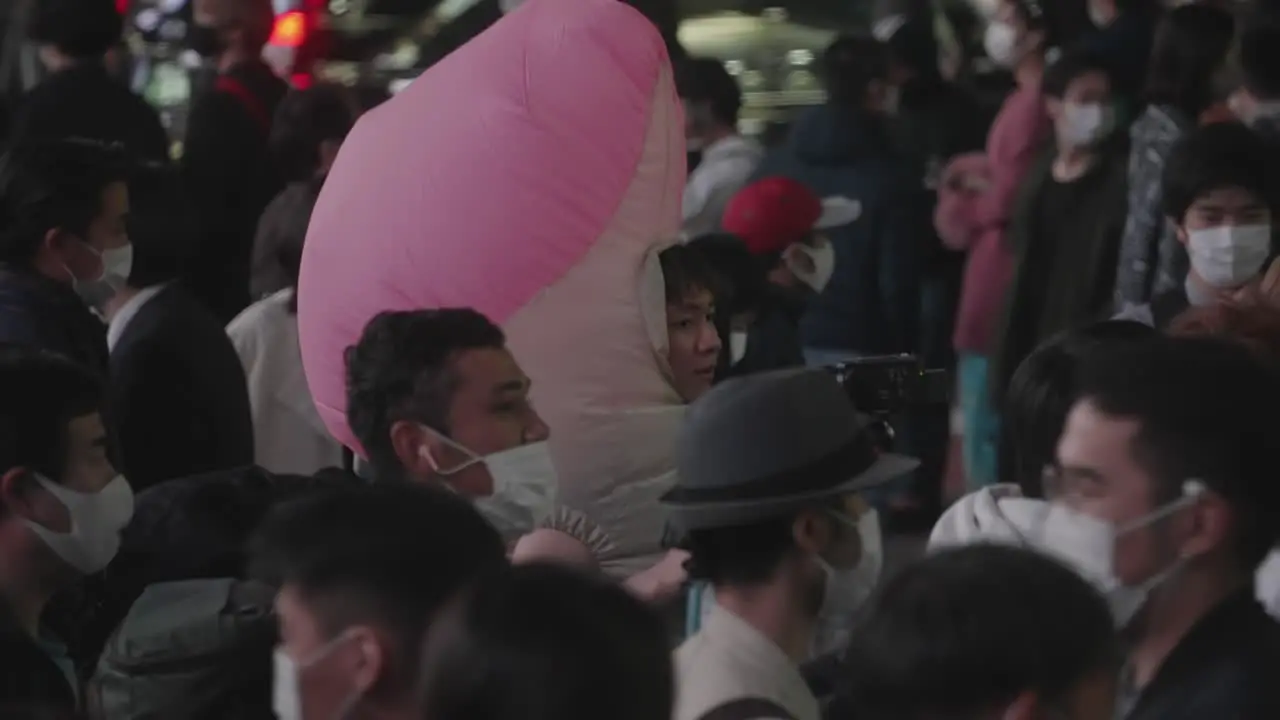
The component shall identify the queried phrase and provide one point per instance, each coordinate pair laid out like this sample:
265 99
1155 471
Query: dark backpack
748 709
192 649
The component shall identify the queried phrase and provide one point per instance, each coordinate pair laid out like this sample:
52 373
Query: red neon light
290 29
122 6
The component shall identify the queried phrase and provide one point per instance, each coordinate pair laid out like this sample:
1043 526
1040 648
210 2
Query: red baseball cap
772 214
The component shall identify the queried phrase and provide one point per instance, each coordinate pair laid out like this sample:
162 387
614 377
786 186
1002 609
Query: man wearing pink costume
534 175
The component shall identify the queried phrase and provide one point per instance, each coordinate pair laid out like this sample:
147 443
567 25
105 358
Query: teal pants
981 422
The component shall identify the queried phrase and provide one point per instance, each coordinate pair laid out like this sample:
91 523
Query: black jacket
1098 223
38 312
872 303
773 340
1224 668
231 178
935 122
185 529
31 684
177 402
84 101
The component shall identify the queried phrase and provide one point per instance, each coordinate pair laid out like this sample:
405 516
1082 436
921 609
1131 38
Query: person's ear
369 659
812 532
328 153
1209 525
1023 707
13 492
419 450
1053 106
55 240
877 91
1179 229
19 497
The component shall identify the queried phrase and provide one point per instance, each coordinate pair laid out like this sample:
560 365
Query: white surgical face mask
286 687
823 257
1084 125
892 100
117 263
525 486
1088 545
1000 41
846 589
1228 256
737 346
96 522
1098 16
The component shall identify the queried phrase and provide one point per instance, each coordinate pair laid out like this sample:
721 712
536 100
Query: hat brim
703 515
837 212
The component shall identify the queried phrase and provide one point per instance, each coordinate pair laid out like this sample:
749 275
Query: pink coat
973 218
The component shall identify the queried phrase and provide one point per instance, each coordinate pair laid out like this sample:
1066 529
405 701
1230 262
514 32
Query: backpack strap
249 101
748 709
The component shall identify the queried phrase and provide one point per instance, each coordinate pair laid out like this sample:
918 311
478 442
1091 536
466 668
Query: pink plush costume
533 175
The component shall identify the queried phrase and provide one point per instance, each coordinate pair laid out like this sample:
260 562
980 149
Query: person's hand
1269 286
663 581
1263 291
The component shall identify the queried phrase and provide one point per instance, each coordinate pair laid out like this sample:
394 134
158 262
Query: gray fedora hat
770 444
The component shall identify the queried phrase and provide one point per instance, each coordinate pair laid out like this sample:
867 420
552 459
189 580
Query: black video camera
885 385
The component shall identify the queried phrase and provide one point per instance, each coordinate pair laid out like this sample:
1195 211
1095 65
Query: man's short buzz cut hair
1260 59
1206 410
388 555
81 29
402 369
1216 157
966 630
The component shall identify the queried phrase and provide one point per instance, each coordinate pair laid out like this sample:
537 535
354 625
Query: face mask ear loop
472 458
1192 490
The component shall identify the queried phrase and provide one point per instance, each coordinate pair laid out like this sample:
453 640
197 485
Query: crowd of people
184 535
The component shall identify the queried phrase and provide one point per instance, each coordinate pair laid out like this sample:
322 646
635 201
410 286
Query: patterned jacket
1151 258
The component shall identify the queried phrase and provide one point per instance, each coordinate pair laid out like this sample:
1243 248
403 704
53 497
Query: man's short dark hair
849 66
745 555
914 45
402 369
390 555
543 642
1260 59
1041 393
742 556
304 120
706 80
40 394
161 224
81 29
1190 47
744 274
966 630
283 226
1216 157
686 270
1068 68
1206 410
47 185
